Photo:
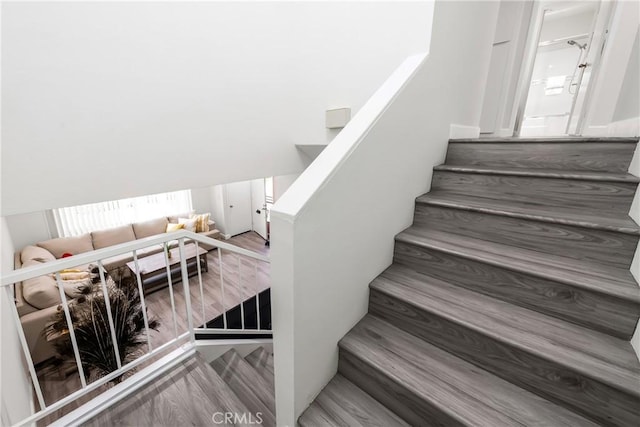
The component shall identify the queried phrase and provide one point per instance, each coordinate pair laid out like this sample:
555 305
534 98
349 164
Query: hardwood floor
199 394
243 278
509 300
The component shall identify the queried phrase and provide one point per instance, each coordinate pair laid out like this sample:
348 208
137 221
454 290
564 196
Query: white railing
185 335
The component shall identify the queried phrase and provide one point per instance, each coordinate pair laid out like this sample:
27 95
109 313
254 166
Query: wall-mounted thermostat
338 117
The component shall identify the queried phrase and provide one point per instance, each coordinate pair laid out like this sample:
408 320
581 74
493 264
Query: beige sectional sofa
38 299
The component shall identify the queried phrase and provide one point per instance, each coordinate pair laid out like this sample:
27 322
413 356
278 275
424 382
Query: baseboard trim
462 131
627 127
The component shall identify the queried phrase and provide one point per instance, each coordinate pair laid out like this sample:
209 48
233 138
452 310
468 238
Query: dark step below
542 173
590 154
581 243
262 361
597 197
428 386
603 298
584 370
189 394
250 387
341 403
621 223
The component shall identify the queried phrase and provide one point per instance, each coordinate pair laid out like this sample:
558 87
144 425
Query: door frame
531 50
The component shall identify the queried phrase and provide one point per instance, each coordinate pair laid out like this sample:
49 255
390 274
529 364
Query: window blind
76 220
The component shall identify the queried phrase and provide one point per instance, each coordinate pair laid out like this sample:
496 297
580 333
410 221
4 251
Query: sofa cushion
113 236
150 228
174 218
36 253
73 245
41 292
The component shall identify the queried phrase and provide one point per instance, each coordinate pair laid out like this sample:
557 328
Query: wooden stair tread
608 359
342 403
595 277
542 173
631 140
262 361
188 394
467 393
578 218
247 384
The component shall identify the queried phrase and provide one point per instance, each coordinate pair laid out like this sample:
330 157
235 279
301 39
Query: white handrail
100 254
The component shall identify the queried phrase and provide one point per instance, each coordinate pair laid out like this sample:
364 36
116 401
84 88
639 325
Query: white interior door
259 207
238 207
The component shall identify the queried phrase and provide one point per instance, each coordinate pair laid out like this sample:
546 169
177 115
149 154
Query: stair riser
599 246
601 312
529 371
587 156
602 196
392 394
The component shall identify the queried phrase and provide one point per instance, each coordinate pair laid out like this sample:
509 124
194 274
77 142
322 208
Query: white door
238 207
259 207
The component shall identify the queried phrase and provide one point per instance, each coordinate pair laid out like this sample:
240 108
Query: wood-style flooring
509 301
195 393
243 278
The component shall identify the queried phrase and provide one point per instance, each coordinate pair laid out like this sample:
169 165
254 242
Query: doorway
569 39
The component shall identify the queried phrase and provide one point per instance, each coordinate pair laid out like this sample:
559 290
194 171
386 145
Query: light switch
338 117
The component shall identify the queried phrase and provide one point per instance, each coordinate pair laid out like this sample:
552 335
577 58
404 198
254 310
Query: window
77 220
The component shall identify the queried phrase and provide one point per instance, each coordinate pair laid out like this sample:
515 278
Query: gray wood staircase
193 391
509 300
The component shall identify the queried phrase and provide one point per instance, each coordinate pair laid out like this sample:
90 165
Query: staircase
509 300
196 393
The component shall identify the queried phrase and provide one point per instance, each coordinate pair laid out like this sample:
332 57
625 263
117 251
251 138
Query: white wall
282 183
605 91
628 105
105 100
499 104
332 231
27 229
15 391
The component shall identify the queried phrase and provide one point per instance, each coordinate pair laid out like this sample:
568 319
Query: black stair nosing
541 173
630 140
503 207
499 390
353 401
626 291
499 330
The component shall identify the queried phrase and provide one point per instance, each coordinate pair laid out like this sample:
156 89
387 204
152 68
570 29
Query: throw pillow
76 288
189 223
40 292
174 227
202 222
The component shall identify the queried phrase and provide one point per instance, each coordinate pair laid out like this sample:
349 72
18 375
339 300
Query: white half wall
15 388
333 230
107 100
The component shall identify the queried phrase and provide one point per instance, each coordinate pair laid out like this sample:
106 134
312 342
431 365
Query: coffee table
153 268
